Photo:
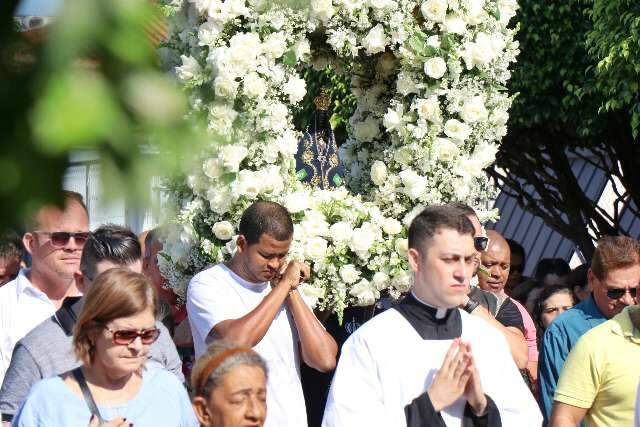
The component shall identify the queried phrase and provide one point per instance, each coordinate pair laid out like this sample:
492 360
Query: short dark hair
11 246
556 266
433 218
109 242
153 234
268 218
32 220
579 277
516 248
468 210
613 253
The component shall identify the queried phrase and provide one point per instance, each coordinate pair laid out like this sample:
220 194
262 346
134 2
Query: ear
28 242
78 276
241 243
414 259
202 412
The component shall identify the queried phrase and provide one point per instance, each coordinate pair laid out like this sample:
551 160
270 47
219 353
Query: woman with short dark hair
112 336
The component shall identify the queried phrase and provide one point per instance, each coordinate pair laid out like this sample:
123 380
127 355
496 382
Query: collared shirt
558 340
22 308
602 370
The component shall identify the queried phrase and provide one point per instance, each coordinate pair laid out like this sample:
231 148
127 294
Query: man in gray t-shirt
47 350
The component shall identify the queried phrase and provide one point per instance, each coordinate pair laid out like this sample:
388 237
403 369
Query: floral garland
431 108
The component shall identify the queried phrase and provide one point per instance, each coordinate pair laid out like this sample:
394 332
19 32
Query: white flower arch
431 108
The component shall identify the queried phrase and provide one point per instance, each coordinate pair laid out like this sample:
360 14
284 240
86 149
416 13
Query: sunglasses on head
480 243
61 238
617 293
127 336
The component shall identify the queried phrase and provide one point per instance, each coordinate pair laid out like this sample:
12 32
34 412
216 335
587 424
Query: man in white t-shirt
253 301
54 240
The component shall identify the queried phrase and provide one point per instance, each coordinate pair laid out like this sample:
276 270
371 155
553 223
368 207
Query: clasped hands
292 274
458 376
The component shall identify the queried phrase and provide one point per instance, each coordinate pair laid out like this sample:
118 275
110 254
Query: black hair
579 277
11 246
556 266
153 234
109 242
268 218
431 219
468 210
516 248
546 293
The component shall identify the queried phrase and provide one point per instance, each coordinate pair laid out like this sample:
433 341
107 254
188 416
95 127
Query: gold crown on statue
322 101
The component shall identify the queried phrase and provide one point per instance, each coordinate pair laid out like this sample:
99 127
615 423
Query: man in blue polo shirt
614 277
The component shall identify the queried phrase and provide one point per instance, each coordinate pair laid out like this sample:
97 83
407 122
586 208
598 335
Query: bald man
493 278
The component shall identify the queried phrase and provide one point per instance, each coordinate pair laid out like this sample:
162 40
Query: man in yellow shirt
599 379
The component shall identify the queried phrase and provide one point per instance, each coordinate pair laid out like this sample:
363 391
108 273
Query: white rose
349 274
457 130
455 24
435 67
223 230
361 241
414 184
473 110
499 117
315 224
392 119
378 173
341 232
248 184
212 168
220 201
391 226
428 109
446 150
209 32
221 118
225 87
295 88
297 201
253 85
475 11
310 294
243 51
315 248
402 282
302 48
507 10
271 179
375 41
380 280
322 9
485 154
366 130
275 45
287 143
232 156
434 10
364 292
381 4
189 70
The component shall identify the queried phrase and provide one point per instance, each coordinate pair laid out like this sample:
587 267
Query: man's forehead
447 240
72 218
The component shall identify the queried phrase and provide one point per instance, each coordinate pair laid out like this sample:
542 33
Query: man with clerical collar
426 362
46 351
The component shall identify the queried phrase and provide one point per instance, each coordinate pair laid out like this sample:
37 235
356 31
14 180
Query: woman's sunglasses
617 293
127 336
61 238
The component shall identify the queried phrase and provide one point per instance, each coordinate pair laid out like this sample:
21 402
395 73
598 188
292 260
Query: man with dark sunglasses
613 277
46 351
54 240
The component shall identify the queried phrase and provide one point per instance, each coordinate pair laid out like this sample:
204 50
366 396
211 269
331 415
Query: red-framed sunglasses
127 336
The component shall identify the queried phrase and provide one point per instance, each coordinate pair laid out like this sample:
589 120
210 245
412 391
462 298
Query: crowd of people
91 336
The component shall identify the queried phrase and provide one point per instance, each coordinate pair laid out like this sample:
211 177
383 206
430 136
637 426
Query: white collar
440 312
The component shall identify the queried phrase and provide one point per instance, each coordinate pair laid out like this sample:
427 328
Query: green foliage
93 84
614 41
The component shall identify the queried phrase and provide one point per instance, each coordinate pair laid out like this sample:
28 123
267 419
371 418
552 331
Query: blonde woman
230 387
111 388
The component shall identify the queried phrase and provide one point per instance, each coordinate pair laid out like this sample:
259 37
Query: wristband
470 306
